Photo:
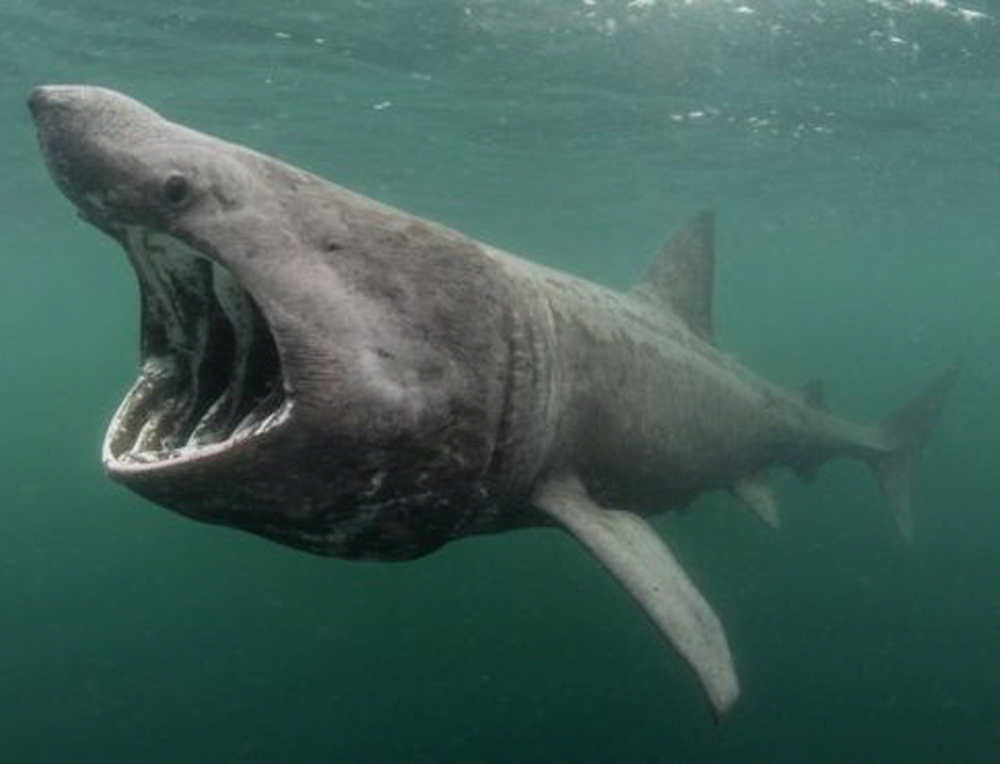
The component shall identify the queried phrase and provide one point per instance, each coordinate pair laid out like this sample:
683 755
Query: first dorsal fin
681 277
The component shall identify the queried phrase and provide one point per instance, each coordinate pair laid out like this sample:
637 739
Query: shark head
315 367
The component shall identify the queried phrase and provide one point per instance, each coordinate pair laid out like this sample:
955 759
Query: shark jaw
210 378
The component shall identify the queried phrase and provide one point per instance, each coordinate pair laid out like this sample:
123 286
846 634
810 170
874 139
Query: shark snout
46 97
59 112
88 135
63 124
81 110
54 106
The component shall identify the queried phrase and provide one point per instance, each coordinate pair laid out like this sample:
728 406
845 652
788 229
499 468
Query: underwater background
852 151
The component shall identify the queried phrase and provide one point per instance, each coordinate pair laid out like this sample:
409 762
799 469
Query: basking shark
351 380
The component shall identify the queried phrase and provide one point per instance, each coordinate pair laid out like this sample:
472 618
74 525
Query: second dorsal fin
681 277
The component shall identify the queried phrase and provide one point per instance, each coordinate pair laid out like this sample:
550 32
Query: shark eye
176 190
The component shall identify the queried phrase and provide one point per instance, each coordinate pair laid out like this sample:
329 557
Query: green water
852 150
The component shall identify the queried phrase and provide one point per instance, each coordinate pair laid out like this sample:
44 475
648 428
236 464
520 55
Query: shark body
351 380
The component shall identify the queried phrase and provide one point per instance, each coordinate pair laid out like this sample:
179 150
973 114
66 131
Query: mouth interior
210 371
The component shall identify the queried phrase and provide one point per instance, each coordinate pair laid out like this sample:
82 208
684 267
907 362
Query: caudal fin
906 432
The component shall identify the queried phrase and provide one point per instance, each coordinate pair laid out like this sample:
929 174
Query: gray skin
351 380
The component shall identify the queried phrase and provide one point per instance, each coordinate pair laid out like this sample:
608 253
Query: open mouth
210 372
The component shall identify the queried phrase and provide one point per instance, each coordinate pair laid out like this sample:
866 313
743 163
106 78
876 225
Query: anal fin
645 566
756 492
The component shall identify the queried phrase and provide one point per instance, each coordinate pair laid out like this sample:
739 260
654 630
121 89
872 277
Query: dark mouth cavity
210 372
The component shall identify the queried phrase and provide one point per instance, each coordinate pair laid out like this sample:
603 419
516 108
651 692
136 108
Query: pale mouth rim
211 378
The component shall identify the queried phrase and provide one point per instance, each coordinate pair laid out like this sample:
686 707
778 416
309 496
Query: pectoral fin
646 567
